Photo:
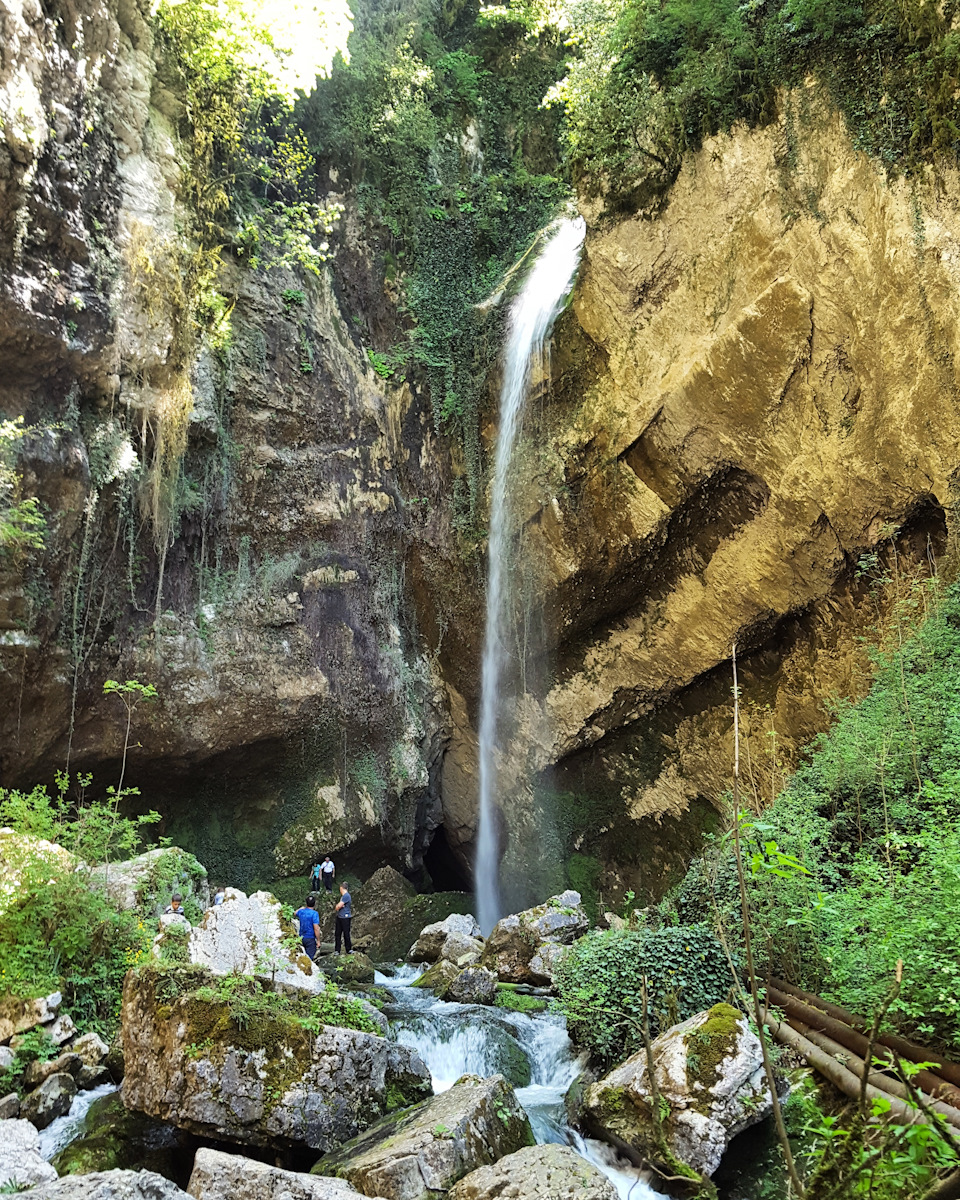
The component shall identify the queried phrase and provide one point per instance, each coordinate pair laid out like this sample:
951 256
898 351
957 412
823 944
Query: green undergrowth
436 122
520 1002
649 81
242 1011
601 984
33 1046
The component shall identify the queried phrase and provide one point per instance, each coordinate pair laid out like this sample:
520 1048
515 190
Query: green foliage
454 167
23 525
600 983
518 1001
649 81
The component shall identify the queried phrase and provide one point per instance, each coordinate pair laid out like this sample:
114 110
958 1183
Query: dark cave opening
446 872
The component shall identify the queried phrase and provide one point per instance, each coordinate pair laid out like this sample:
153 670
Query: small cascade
62 1131
462 1039
531 318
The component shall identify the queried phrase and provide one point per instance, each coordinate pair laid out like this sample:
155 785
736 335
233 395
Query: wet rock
710 1073
111 1137
423 1151
110 1185
219 1176
438 977
524 947
92 1049
50 1100
429 945
17 1015
475 985
9 1107
461 950
349 969
272 1082
91 1077
20 1159
546 1172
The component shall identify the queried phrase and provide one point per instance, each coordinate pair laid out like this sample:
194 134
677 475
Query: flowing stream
531 317
460 1039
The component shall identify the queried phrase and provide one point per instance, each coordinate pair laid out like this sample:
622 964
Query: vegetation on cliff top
649 81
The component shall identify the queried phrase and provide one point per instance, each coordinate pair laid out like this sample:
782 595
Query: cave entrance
443 867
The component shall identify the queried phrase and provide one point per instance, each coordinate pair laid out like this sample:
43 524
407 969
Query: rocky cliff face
752 438
294 692
751 417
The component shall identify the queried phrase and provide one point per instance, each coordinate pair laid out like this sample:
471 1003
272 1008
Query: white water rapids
531 317
461 1039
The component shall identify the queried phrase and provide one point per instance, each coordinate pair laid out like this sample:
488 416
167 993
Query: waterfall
531 316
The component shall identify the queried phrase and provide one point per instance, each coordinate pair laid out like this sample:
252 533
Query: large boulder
548 1172
525 947
710 1076
20 1159
18 1015
110 1185
474 985
244 935
438 977
461 950
416 1155
381 905
350 969
219 1176
148 881
50 1100
239 1063
429 945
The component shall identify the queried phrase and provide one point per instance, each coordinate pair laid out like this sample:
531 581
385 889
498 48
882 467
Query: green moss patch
707 1048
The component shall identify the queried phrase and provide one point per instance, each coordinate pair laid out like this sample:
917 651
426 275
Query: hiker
329 871
173 909
309 920
315 878
219 894
344 911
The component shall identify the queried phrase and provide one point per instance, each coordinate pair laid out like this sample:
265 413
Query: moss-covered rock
115 1138
231 1059
420 1153
438 977
525 947
709 1073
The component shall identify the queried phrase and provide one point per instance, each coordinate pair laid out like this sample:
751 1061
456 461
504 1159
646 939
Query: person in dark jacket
344 911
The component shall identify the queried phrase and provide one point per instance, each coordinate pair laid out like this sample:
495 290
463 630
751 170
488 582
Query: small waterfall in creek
534 1052
531 317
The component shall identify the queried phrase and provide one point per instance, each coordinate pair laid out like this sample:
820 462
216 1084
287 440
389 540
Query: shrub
600 984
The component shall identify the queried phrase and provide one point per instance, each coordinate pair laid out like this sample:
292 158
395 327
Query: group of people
309 920
307 915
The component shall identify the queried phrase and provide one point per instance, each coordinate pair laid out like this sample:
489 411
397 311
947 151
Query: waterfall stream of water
461 1039
531 316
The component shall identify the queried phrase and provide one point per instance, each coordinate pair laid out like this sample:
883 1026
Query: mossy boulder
438 977
526 947
709 1073
349 969
420 1153
231 1060
113 1137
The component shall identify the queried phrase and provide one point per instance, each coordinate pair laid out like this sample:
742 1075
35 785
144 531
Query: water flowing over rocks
20 1158
219 1176
709 1071
524 947
474 985
548 1172
274 1084
425 1150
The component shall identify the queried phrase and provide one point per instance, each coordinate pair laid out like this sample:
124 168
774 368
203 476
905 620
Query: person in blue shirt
309 920
344 911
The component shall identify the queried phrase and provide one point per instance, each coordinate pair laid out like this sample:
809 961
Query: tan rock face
752 390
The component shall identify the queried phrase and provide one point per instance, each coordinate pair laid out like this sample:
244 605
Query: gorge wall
750 418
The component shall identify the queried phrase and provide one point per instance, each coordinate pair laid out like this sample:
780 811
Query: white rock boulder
429 945
219 1176
525 947
20 1159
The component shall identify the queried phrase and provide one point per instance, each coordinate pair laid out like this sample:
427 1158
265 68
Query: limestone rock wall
753 418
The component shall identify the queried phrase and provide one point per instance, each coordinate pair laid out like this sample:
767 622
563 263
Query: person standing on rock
315 878
309 920
329 872
344 911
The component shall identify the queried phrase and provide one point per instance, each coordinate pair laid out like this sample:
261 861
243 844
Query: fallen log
840 1076
950 1071
884 1083
933 1084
